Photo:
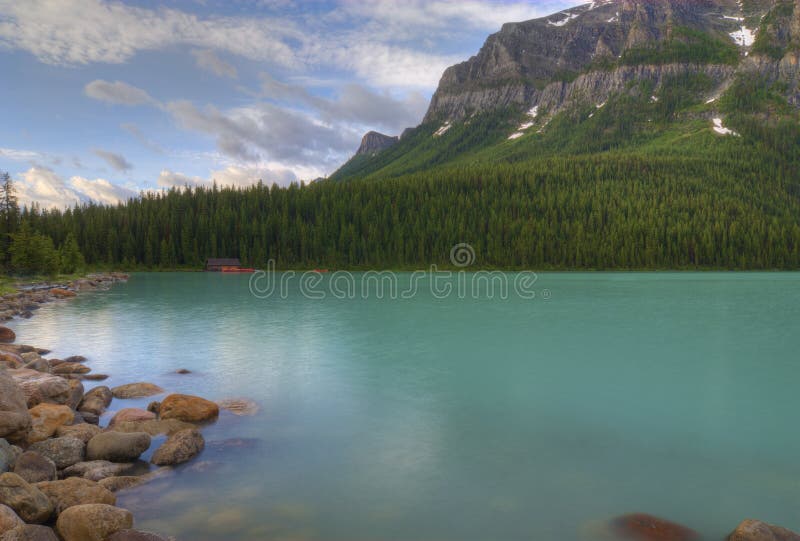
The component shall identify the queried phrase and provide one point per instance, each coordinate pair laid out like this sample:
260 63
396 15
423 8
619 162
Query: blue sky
103 99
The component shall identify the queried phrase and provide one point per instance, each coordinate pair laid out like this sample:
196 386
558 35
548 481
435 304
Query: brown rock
82 431
47 387
64 452
33 467
94 377
117 446
643 527
96 400
75 393
27 501
755 530
92 522
154 428
75 359
75 491
10 360
154 406
46 420
131 414
117 483
15 421
96 470
70 368
62 293
183 371
191 409
8 519
7 335
30 532
136 390
179 448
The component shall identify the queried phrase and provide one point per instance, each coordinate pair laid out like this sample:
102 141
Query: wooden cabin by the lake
223 264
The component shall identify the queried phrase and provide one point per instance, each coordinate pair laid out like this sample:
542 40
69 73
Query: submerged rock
239 406
643 527
191 409
755 530
136 390
75 491
135 535
152 427
70 368
117 446
7 335
27 501
33 467
179 448
131 414
92 522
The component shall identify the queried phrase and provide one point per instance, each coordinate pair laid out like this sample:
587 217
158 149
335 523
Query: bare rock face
755 530
374 142
15 421
92 522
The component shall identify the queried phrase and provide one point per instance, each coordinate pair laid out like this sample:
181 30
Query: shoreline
61 460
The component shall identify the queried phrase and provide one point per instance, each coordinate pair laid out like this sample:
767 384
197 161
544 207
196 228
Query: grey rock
117 446
96 470
374 142
15 421
33 467
180 447
64 452
30 532
96 400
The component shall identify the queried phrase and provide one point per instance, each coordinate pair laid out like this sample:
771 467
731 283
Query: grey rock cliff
374 142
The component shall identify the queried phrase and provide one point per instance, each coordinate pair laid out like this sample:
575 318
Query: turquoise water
462 419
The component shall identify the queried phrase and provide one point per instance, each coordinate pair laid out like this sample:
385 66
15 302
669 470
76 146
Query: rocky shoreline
59 469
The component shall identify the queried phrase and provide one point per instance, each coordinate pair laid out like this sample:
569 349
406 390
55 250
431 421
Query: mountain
374 142
610 75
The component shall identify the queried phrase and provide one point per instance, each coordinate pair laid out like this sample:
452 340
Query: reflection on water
449 419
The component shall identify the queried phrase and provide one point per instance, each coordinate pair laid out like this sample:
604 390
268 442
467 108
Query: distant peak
374 142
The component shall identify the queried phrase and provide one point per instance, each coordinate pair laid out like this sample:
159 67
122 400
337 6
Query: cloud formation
117 161
209 61
118 93
49 190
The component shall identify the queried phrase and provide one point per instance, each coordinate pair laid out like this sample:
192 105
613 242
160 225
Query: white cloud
117 161
233 175
19 154
118 92
46 188
87 31
209 61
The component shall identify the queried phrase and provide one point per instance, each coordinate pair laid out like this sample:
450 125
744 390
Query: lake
436 417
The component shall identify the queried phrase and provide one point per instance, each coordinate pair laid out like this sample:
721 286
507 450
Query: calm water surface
454 419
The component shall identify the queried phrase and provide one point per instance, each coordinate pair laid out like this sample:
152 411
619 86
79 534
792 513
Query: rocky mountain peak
374 142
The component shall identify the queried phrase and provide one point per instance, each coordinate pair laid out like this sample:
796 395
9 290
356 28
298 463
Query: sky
100 99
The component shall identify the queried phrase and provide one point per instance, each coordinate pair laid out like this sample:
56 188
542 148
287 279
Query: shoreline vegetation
60 470
61 460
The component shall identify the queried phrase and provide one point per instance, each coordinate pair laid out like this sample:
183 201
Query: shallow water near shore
448 419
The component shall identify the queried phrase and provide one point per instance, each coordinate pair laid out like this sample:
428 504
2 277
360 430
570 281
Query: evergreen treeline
601 211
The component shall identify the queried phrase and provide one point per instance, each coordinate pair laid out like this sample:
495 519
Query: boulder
96 401
153 427
10 360
94 377
30 532
8 519
6 335
34 467
70 368
643 527
62 293
154 406
46 418
75 491
27 501
15 421
8 455
92 522
179 448
96 470
239 406
115 484
64 452
187 408
131 414
135 535
117 446
136 390
34 361
47 387
755 530
81 431
75 359
75 393
90 418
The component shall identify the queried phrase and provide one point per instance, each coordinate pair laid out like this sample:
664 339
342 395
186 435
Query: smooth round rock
96 400
136 390
117 446
92 522
30 532
187 408
81 431
33 467
756 530
75 491
8 519
180 447
27 501
643 527
131 414
96 470
46 418
7 335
